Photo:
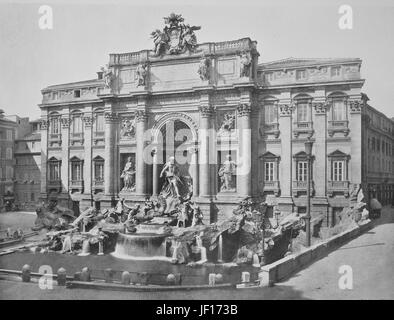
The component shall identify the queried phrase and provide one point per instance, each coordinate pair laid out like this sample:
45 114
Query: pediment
269 155
338 154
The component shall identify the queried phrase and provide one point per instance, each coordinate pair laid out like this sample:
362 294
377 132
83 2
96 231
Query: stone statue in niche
140 74
228 123
128 176
204 68
173 181
226 172
108 77
246 63
128 128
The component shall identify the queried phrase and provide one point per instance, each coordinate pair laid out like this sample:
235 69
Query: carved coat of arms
176 37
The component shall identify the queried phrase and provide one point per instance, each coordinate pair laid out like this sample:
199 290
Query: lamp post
308 151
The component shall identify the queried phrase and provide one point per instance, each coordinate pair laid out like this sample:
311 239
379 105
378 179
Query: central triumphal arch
193 102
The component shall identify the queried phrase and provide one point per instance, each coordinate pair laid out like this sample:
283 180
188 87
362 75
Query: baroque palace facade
240 126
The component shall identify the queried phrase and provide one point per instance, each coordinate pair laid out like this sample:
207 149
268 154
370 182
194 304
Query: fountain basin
141 246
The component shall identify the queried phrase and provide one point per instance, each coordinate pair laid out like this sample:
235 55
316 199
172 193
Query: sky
86 31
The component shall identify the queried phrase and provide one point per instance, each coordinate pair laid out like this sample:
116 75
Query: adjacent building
27 170
7 138
236 127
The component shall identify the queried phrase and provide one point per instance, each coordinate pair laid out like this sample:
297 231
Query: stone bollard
178 279
218 278
61 277
26 273
126 278
211 279
108 274
170 279
77 276
245 277
264 279
85 274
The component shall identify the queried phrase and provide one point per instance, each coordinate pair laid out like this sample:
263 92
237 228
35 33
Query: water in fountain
256 261
66 244
85 248
203 250
220 249
147 243
175 245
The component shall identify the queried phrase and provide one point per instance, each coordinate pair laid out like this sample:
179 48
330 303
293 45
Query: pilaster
87 170
111 122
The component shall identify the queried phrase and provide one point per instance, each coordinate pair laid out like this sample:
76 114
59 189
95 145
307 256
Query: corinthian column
206 112
111 119
44 156
64 174
87 170
244 167
155 174
141 119
194 169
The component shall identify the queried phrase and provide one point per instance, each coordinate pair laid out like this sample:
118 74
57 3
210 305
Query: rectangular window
99 170
54 170
302 171
269 76
269 171
9 173
338 170
8 154
335 71
76 172
270 114
54 125
338 111
302 112
77 93
32 198
99 122
300 74
77 124
9 135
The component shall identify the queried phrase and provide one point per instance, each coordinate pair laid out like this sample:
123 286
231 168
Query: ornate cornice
88 120
141 115
111 117
206 111
356 106
65 122
285 110
193 149
244 110
44 124
320 107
